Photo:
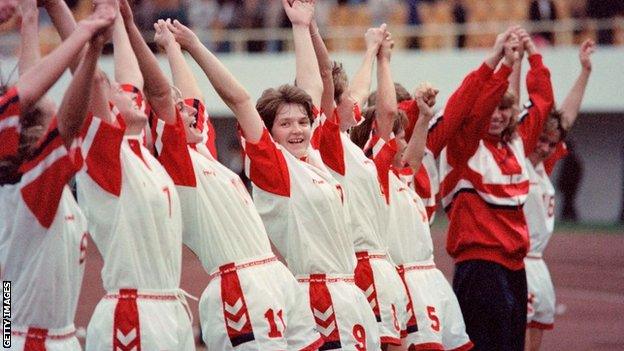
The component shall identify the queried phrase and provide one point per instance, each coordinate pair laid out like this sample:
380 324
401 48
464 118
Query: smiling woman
287 114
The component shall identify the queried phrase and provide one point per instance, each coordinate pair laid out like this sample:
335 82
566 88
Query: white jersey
358 175
133 210
302 208
43 238
409 237
539 209
221 223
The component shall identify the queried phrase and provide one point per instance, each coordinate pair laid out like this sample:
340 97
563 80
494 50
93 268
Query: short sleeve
383 155
330 145
9 123
101 151
173 152
266 165
44 176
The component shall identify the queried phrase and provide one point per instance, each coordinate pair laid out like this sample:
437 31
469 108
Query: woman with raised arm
539 208
133 208
374 274
484 186
252 301
299 201
432 306
43 241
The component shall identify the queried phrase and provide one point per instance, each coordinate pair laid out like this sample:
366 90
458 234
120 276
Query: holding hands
299 12
183 35
385 49
374 37
163 36
100 20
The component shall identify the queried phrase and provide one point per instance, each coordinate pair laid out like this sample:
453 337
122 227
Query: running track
587 270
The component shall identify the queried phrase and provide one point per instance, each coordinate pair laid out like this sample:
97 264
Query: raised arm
308 76
225 84
157 88
460 103
325 66
127 70
183 77
386 93
29 32
72 110
37 80
492 92
64 22
361 82
541 98
514 78
415 151
572 103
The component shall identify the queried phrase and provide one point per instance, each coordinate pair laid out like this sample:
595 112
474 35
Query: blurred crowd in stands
215 17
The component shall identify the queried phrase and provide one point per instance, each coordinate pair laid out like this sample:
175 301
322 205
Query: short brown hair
33 124
360 133
401 95
341 81
553 123
272 99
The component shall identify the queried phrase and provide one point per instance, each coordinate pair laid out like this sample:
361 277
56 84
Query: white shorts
62 339
153 319
440 321
256 305
541 300
383 288
342 313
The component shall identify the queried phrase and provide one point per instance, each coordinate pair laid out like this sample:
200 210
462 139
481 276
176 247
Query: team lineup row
346 194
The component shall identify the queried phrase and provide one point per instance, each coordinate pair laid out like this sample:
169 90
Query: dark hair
33 124
509 101
401 95
33 128
272 99
553 123
361 133
341 81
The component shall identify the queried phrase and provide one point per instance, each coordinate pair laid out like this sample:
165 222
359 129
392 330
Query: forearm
415 150
386 99
65 24
76 100
572 103
514 80
37 80
308 75
361 82
127 69
62 18
230 90
157 86
29 31
183 78
325 66
99 101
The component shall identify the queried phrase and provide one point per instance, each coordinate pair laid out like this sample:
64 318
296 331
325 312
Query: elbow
387 110
326 72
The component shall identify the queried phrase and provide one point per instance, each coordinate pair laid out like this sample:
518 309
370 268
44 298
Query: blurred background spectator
541 10
260 25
